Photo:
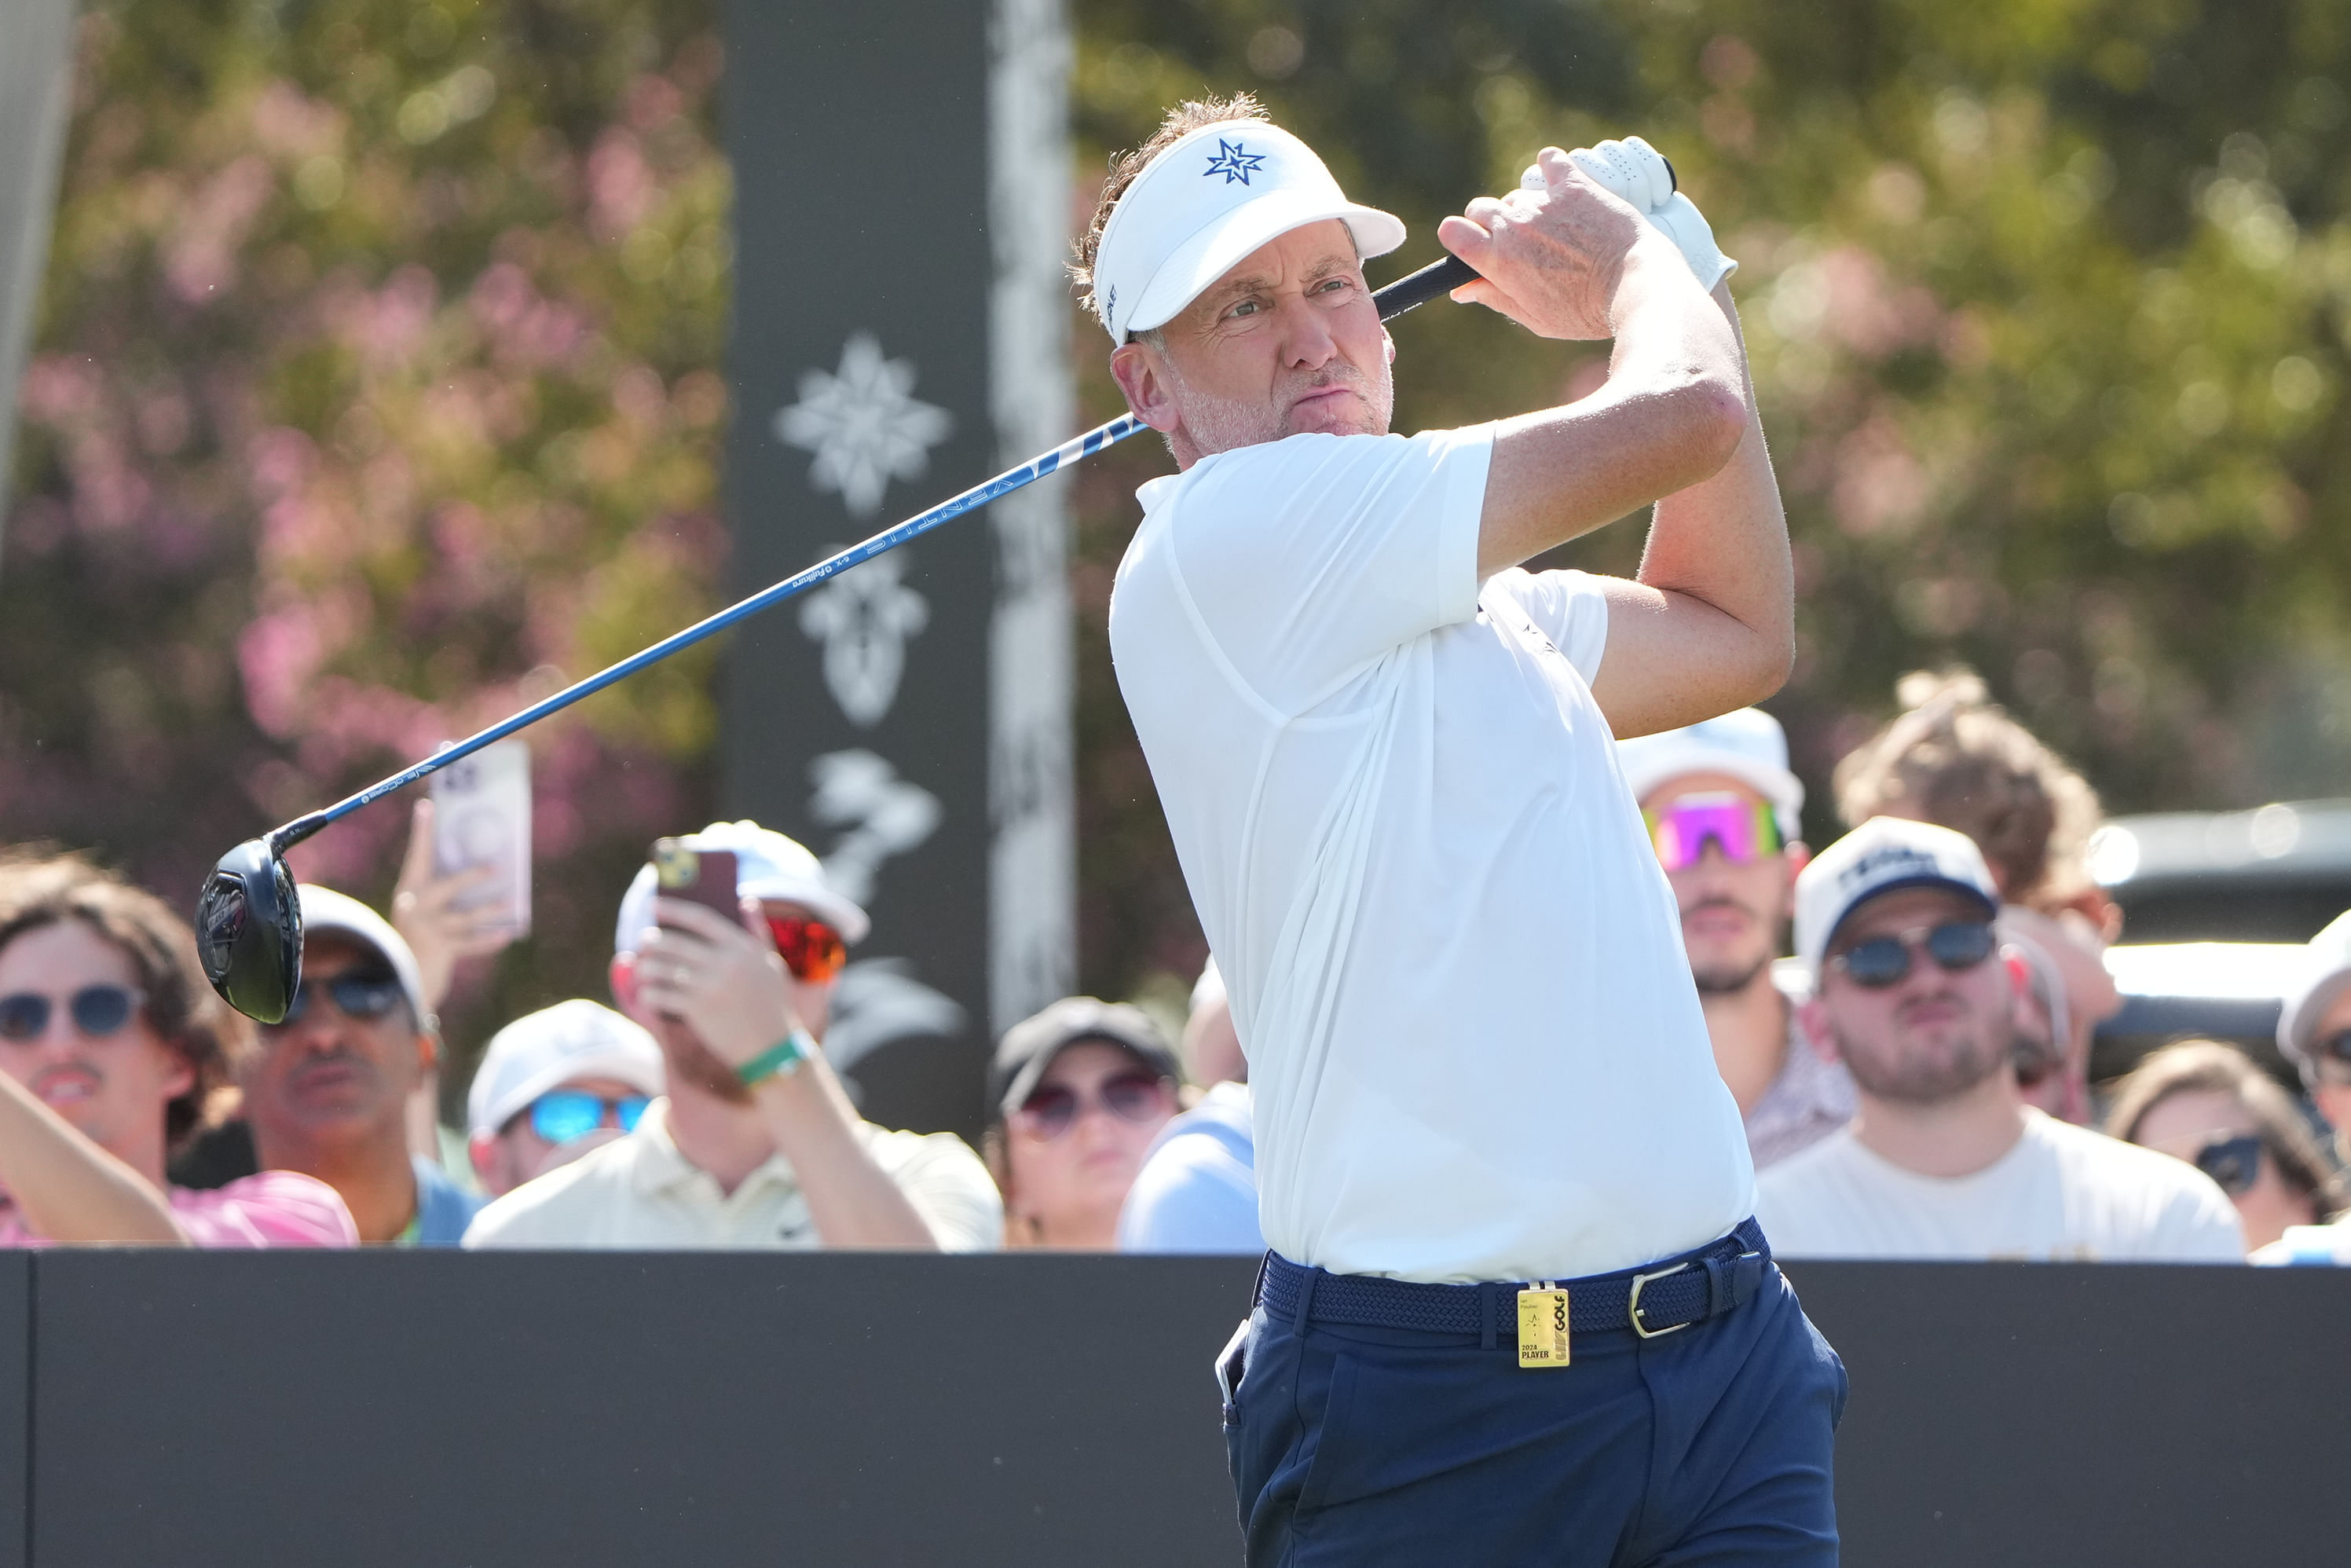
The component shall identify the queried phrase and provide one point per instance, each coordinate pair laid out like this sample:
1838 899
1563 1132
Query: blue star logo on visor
1233 162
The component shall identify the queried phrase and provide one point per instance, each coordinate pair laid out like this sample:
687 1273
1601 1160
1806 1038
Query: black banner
900 179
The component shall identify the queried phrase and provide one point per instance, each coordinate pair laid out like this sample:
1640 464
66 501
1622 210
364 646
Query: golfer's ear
1143 380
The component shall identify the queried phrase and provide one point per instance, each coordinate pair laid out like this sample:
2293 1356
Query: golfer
1516 1311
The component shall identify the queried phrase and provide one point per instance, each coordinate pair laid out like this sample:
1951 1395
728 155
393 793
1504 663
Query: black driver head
249 931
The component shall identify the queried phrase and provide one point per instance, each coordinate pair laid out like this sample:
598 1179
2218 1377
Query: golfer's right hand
1552 259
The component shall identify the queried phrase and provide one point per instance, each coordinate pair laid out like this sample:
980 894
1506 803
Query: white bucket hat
1204 203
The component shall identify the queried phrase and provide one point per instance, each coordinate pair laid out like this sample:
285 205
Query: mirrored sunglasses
1744 829
1135 1096
96 1010
1956 946
812 950
362 996
561 1116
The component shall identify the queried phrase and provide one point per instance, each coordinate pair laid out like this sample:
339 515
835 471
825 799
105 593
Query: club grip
1438 278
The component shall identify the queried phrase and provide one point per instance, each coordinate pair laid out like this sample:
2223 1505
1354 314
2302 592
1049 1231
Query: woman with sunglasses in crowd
111 1045
2208 1104
1076 1095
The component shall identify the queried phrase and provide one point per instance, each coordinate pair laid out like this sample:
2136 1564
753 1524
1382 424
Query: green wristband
784 1057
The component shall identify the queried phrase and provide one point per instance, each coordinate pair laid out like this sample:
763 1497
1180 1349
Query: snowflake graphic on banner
863 617
863 424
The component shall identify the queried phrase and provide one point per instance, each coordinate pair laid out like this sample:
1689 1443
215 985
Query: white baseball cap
767 866
1207 200
1884 855
1749 745
2325 971
325 910
555 1046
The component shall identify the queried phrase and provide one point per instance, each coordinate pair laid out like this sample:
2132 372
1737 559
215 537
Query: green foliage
2048 303
373 397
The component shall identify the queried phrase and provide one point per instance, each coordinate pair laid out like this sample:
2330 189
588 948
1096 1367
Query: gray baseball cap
1028 1047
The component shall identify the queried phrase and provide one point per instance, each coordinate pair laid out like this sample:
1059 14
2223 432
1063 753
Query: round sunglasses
1955 945
97 1012
1134 1096
559 1115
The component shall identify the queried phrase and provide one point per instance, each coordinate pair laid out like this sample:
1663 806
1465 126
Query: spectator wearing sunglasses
1955 757
1078 1092
1722 810
1944 1159
111 1044
327 1091
754 1143
553 1085
2208 1104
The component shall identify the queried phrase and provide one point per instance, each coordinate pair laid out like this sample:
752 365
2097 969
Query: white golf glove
1636 173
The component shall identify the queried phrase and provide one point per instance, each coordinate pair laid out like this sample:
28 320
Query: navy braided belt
1665 1296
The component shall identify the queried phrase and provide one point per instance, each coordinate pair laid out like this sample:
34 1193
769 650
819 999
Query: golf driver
248 920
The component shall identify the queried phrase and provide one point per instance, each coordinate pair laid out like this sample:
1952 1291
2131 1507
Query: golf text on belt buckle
1633 1306
1543 1326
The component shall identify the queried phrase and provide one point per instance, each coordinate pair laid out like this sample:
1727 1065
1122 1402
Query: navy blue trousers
1373 1447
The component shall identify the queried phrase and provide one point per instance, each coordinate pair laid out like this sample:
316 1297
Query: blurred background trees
375 392
377 388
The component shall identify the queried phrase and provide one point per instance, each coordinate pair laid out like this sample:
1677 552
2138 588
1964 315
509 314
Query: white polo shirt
1458 970
641 1194
2060 1195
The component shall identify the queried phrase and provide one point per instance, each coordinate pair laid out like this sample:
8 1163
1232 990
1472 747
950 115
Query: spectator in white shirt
1944 1159
757 1144
1722 810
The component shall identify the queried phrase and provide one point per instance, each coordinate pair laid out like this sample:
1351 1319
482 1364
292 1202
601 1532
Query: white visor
1203 205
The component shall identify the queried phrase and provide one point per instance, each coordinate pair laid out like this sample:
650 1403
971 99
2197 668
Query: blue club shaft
1393 301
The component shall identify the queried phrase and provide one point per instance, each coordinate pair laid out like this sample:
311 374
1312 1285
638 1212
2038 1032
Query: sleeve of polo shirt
1571 608
1308 558
948 1187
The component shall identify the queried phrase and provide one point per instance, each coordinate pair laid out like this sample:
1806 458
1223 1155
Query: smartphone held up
481 821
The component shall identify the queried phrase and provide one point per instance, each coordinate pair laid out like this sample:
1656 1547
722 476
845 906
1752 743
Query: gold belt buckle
1633 1306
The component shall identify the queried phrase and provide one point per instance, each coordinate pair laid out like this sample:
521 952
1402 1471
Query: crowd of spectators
1904 1021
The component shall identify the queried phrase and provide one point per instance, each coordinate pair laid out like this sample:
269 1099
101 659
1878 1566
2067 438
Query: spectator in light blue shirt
1197 1190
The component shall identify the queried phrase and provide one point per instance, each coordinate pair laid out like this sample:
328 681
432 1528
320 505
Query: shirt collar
660 1165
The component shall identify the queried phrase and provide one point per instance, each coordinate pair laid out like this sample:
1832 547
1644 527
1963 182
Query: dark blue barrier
415 1410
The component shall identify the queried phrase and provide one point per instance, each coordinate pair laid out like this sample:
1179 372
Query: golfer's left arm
1708 624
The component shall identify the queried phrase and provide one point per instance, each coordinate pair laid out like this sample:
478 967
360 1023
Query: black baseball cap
1028 1047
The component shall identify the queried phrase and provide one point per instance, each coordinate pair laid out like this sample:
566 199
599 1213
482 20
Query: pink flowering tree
375 395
